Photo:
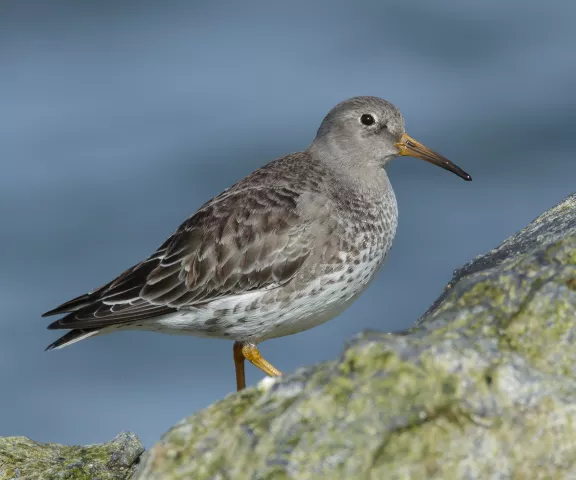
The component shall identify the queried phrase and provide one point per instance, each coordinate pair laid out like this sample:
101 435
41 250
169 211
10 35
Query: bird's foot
250 352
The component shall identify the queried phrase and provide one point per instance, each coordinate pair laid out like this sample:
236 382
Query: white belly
261 315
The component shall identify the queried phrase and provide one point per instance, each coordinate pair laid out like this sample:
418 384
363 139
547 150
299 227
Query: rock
482 387
557 223
23 458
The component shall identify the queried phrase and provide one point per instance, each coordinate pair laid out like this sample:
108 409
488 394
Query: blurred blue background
119 118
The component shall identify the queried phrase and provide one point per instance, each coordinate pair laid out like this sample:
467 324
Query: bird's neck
367 179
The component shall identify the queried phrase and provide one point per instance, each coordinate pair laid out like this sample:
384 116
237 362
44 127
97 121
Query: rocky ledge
22 458
483 386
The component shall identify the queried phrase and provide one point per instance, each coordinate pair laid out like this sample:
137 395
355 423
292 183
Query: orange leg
239 365
250 352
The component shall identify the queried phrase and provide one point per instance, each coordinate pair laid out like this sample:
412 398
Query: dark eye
367 119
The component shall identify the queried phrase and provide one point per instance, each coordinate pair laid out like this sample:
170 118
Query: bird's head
371 130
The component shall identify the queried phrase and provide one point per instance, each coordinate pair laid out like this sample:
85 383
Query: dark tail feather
72 305
71 337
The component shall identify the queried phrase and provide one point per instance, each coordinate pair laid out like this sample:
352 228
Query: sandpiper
283 250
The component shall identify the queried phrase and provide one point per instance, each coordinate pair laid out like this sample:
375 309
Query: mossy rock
483 386
22 458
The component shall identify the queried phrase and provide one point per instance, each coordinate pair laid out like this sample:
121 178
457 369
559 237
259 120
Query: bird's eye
367 119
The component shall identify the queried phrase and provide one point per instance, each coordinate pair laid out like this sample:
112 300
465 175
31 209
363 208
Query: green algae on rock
483 386
22 458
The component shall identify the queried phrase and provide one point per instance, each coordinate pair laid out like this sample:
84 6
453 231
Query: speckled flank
484 388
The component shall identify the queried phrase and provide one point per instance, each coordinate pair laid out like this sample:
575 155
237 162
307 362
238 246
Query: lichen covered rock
483 386
23 458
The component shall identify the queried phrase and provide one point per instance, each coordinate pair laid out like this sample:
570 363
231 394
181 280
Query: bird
285 249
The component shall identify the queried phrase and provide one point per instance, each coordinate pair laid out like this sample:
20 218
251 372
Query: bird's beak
410 147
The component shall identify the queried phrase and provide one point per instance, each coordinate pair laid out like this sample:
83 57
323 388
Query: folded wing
241 241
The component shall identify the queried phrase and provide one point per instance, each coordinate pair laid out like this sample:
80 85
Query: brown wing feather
250 240
243 240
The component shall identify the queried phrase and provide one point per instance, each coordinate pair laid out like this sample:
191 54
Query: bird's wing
241 241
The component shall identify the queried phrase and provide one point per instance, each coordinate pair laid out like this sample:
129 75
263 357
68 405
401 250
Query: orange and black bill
410 147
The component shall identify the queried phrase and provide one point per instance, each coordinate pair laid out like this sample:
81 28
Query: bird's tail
71 337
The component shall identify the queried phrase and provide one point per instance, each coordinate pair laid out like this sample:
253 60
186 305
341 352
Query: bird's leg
250 352
239 365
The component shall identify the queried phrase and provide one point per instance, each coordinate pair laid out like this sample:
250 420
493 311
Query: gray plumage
286 248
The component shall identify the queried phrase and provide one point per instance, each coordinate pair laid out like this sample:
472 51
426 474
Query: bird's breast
356 247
